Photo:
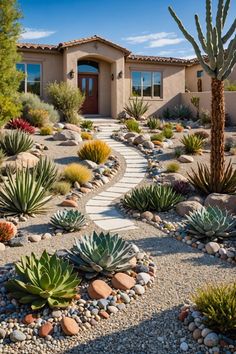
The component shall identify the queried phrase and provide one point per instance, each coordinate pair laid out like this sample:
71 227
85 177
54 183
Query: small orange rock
30 318
104 314
98 289
77 297
45 329
122 281
69 326
85 190
183 315
69 203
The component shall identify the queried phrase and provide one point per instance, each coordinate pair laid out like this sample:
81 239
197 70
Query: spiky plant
132 126
193 144
218 64
47 280
68 220
101 253
7 230
168 133
86 124
153 123
96 150
152 198
15 142
47 171
210 223
23 193
136 108
21 124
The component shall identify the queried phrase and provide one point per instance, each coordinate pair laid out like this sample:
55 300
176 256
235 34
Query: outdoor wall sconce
120 75
72 74
112 77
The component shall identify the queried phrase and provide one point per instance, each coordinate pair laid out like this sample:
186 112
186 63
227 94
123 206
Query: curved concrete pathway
101 208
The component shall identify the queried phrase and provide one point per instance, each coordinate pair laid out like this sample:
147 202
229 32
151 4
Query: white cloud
30 33
164 42
149 37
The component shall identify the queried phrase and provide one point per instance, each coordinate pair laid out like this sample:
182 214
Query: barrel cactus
7 230
47 280
101 253
68 220
211 223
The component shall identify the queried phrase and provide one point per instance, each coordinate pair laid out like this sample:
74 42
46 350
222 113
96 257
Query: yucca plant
132 126
152 198
23 193
15 142
47 280
201 179
154 123
97 151
193 144
68 220
217 303
211 223
136 108
101 253
47 171
7 230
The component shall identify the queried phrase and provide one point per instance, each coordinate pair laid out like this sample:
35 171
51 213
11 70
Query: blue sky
143 26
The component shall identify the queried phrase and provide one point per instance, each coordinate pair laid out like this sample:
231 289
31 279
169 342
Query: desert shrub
168 125
46 171
193 144
47 130
173 167
61 187
153 123
168 133
166 114
38 117
97 151
202 134
21 124
30 101
230 142
75 172
181 112
132 126
66 99
182 187
15 142
152 198
87 124
179 128
205 117
218 306
68 220
86 136
10 107
7 230
157 137
136 108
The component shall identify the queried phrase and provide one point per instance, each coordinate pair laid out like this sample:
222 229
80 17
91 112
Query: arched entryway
88 76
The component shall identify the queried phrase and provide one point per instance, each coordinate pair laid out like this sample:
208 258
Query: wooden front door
88 84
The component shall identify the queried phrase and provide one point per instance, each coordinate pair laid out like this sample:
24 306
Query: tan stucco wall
173 85
51 64
191 78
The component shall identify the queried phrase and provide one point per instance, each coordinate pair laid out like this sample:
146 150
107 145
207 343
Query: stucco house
109 74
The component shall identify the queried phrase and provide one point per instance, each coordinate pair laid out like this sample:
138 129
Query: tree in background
10 30
218 65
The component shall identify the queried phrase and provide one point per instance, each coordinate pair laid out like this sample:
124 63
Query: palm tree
218 63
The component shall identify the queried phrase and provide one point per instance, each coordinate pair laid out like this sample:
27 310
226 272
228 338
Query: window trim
25 63
148 98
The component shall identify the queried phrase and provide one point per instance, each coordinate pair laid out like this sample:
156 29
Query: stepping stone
118 189
114 224
99 203
109 194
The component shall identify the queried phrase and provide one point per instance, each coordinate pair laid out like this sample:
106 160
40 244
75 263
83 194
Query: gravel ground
149 325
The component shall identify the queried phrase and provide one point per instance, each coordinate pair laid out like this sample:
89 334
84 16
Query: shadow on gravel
36 229
67 159
156 335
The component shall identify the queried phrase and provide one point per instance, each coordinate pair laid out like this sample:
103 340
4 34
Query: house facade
109 74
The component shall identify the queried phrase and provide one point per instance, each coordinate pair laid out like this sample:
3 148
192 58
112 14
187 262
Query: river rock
69 326
211 340
212 247
17 336
140 139
223 201
67 135
98 289
184 208
122 281
185 159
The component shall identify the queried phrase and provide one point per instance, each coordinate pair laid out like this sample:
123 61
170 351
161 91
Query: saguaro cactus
218 64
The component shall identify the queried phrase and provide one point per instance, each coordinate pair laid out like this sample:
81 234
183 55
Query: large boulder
171 178
223 201
185 159
140 139
23 159
65 135
72 127
186 207
130 135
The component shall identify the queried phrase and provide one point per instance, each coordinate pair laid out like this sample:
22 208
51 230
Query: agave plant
47 280
68 220
23 194
15 142
46 171
192 143
210 223
101 253
152 198
136 108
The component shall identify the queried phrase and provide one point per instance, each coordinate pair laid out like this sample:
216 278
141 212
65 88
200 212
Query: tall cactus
219 63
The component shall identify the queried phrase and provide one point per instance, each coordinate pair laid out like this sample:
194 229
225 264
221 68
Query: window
146 83
32 79
88 66
200 73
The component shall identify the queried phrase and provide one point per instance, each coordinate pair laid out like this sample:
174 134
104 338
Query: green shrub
181 112
218 304
168 133
132 126
97 151
193 144
75 172
173 167
61 187
30 101
152 198
178 151
23 193
15 142
68 220
153 123
101 254
38 117
87 124
47 172
136 108
47 130
157 137
205 117
47 280
10 108
67 99
166 114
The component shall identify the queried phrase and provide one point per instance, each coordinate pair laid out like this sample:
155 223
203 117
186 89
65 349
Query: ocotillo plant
218 64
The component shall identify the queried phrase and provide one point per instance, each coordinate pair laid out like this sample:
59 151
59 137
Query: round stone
2 246
69 326
212 247
112 309
17 336
197 333
125 297
206 331
45 329
30 318
98 289
122 281
184 346
143 278
211 340
139 289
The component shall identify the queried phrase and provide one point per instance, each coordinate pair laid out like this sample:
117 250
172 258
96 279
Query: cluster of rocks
208 340
68 134
96 300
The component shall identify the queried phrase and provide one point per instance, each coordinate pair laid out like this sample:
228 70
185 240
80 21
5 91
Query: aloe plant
136 108
101 253
47 280
23 193
68 220
15 142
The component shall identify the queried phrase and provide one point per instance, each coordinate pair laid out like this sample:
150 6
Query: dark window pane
20 67
88 66
22 87
90 86
83 86
136 78
136 91
200 73
147 91
33 87
147 78
157 90
157 78
33 72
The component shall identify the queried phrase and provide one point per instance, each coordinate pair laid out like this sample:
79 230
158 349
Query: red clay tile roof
157 59
36 46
